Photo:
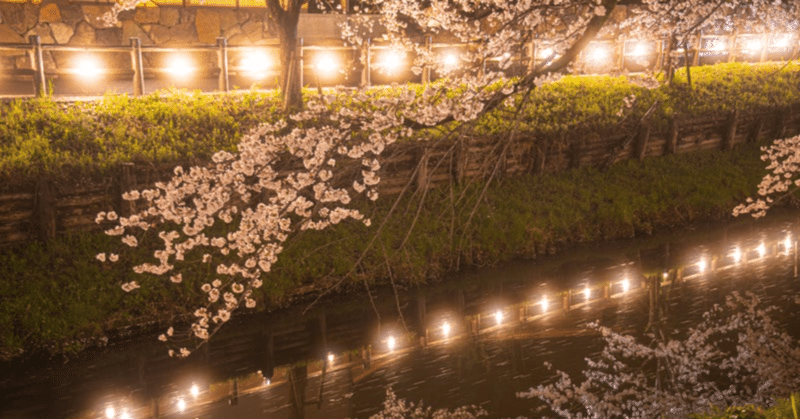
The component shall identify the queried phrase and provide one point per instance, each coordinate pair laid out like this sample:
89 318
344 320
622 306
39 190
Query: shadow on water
477 338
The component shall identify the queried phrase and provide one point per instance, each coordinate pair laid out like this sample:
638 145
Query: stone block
227 19
49 13
43 30
207 25
10 36
160 34
253 29
84 35
169 17
109 36
71 14
94 15
20 17
147 15
131 30
184 33
61 32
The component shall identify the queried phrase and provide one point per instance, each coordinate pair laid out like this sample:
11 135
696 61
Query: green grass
58 297
40 137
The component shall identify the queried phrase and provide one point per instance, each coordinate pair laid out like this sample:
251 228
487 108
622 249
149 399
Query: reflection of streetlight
701 265
124 414
179 65
87 65
110 412
587 293
626 285
194 390
446 329
181 405
326 65
787 244
330 357
255 64
762 250
391 60
736 255
391 343
498 316
544 303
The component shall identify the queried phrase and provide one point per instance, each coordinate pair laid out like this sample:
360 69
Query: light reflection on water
494 344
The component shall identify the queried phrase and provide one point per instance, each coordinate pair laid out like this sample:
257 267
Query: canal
477 338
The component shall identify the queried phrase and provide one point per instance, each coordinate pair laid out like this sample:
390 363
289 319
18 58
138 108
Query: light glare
194 390
626 285
544 303
330 357
180 66
701 265
446 329
326 64
787 244
391 343
110 412
450 60
255 64
762 250
498 316
181 405
124 415
587 293
87 66
599 54
640 49
391 61
736 255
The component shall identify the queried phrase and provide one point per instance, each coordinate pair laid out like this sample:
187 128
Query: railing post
366 73
696 56
222 59
37 62
531 56
426 71
302 63
138 68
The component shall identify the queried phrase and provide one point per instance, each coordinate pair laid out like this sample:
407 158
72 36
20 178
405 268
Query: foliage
394 408
76 298
41 137
737 355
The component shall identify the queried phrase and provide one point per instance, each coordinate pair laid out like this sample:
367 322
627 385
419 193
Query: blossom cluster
783 164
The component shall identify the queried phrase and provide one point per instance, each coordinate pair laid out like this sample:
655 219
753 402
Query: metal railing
602 56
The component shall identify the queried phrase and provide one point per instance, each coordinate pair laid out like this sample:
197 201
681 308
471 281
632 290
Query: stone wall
65 23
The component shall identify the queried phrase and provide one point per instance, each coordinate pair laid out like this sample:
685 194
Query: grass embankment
39 137
58 296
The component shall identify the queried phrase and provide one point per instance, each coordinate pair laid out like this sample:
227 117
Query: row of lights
736 256
256 63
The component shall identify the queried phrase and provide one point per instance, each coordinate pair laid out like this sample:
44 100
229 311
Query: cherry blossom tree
308 170
737 355
782 181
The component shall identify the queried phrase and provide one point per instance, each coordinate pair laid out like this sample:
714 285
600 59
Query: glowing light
640 49
626 285
181 405
736 255
255 63
599 54
110 412
194 390
446 329
267 382
330 357
450 60
326 64
717 45
391 343
544 304
587 293
391 61
180 66
498 316
787 244
88 66
546 53
762 250
702 265
665 275
753 46
783 41
124 414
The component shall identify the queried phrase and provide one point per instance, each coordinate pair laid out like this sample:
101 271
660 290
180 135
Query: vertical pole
138 70
222 62
366 74
37 62
696 56
426 72
732 50
621 49
302 63
532 56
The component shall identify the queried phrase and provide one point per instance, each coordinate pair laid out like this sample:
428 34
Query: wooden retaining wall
46 209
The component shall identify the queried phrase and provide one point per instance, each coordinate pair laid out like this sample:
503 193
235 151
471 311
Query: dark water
244 372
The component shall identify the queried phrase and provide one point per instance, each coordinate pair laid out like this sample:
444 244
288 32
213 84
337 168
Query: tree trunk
285 21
